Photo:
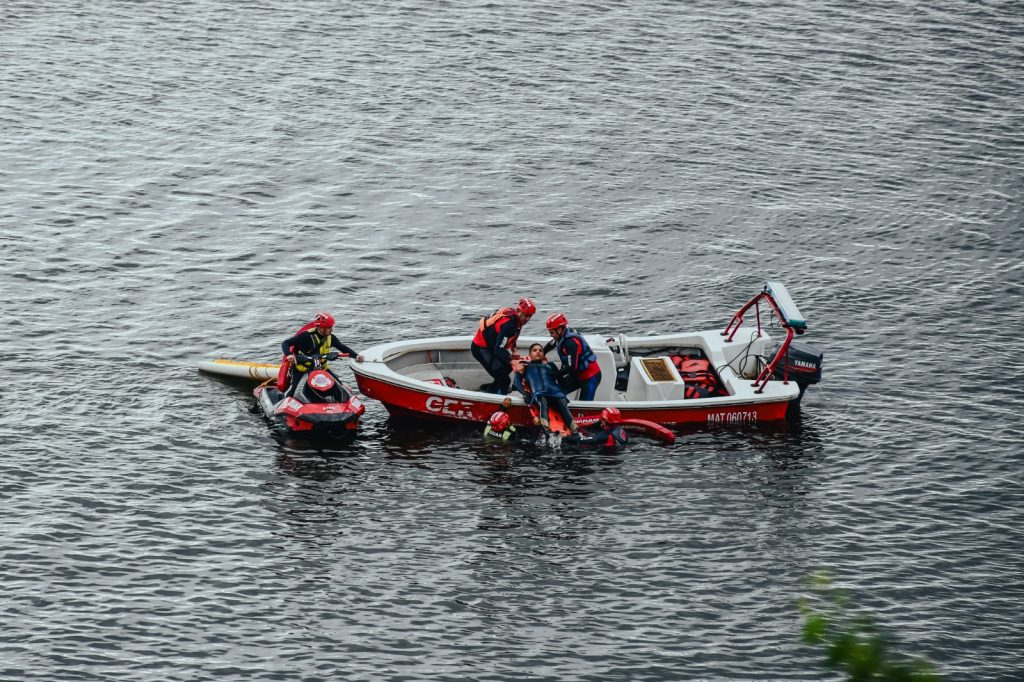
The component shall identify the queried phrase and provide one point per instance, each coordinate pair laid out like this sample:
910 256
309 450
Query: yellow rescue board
257 371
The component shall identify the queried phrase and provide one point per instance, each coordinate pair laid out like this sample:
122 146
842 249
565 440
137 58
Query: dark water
187 179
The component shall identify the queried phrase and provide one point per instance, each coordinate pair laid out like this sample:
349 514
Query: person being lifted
536 381
495 343
579 363
314 338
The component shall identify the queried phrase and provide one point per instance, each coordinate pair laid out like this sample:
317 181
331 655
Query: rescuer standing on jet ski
579 363
495 343
313 339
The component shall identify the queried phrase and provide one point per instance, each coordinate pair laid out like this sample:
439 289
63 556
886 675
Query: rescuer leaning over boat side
495 343
579 363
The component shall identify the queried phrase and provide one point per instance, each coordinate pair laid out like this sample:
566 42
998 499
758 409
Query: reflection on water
321 464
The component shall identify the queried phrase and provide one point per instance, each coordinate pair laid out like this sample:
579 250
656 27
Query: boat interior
652 368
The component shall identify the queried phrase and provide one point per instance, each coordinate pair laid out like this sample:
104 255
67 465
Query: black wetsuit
608 437
308 343
304 343
494 357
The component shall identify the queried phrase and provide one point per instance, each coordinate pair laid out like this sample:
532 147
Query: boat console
605 360
654 378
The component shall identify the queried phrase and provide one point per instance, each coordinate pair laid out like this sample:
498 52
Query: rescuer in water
499 426
607 434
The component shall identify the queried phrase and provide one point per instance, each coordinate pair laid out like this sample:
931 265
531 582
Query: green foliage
852 642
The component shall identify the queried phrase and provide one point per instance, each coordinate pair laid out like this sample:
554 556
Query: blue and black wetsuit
539 386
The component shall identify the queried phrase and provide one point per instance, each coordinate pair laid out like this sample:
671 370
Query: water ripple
199 178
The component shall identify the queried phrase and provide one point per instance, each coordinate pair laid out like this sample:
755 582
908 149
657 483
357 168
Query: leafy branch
853 642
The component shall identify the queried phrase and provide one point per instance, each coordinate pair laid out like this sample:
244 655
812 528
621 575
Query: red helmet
526 306
557 320
611 415
499 421
323 320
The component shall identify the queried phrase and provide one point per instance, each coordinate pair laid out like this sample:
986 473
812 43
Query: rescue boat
739 375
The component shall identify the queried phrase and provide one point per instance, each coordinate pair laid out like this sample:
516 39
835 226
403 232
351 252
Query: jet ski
320 405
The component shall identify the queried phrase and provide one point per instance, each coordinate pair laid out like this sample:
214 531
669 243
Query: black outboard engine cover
803 365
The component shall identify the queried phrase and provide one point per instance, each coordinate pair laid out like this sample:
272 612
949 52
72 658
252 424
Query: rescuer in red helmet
495 343
314 338
579 363
499 426
607 434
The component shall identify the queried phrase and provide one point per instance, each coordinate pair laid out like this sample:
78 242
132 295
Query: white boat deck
422 363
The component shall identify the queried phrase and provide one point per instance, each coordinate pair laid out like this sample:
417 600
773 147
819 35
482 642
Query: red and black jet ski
320 405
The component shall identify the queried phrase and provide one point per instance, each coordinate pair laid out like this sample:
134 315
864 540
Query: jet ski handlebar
318 359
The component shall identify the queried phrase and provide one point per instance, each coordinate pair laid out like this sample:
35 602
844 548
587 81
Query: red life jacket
616 436
696 371
694 391
487 323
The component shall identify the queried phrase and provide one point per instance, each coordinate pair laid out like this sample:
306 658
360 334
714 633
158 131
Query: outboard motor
802 364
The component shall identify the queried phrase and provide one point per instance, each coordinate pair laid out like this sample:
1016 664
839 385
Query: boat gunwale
379 355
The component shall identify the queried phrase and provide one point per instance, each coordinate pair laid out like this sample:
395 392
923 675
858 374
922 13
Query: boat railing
775 295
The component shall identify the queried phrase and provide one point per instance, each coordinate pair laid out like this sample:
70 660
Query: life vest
694 391
503 436
586 365
616 436
696 371
488 323
323 349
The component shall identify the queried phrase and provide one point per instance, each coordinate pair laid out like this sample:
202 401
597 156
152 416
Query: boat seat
427 373
432 375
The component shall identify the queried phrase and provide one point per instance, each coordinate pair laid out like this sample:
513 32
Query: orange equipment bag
697 371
